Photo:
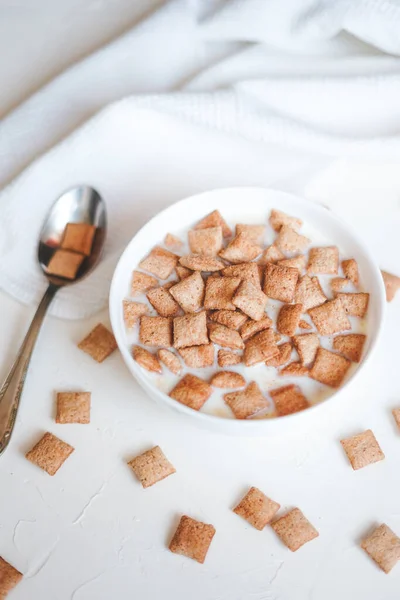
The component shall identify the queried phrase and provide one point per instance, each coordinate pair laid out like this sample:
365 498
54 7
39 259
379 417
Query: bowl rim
245 426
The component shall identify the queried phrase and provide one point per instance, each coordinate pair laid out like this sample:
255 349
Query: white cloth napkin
294 80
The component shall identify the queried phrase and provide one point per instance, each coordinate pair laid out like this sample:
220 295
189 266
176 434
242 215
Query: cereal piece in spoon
78 237
65 264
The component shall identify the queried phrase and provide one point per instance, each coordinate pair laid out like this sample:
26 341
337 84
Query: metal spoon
77 256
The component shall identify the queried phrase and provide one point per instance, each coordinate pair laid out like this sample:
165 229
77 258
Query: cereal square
198 262
362 449
323 260
392 284
49 453
256 508
280 282
309 293
251 300
146 359
396 416
297 262
288 318
350 270
289 240
159 262
151 467
351 345
329 368
198 357
228 379
225 337
141 283
355 305
248 271
170 360
255 233
99 344
260 347
189 292
294 369
156 331
304 324
240 250
226 358
78 237
163 302
207 242
65 264
306 345
330 317
230 318
245 404
383 546
191 391
9 578
73 407
250 328
338 284
278 218
285 352
220 292
190 330
294 529
192 539
288 399
133 311
272 254
172 242
214 219
182 272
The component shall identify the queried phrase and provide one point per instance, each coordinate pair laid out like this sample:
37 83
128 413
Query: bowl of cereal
246 309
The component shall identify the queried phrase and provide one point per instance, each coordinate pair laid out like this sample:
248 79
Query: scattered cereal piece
99 344
191 391
141 283
304 325
330 317
289 240
170 360
383 546
163 302
278 218
309 293
280 282
132 312
246 403
396 415
297 262
288 399
192 539
294 369
271 255
78 237
256 508
255 233
248 271
252 327
213 220
355 305
198 262
198 357
392 284
329 368
260 347
173 242
288 318
230 318
146 359
151 467
182 272
226 358
285 352
207 242
351 345
306 345
350 270
159 262
225 337
190 330
9 578
338 284
155 331
65 264
240 250
294 529
323 260
251 300
189 293
49 453
228 379
220 292
73 407
362 449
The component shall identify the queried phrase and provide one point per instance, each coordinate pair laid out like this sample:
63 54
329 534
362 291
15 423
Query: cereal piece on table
288 318
396 416
323 260
351 345
155 331
304 324
288 399
355 305
73 407
309 293
240 250
285 352
392 284
294 529
78 237
250 328
383 546
251 300
141 283
260 347
182 272
289 240
278 218
133 311
189 293
151 467
198 262
198 357
226 358
160 262
350 270
270 255
207 242
163 302
338 284
173 242
246 403
248 271
49 453
329 368
330 317
256 508
280 282
220 291
225 337
214 219
191 391
306 345
230 318
146 359
362 449
9 578
192 539
170 360
294 369
255 233
65 264
297 262
99 344
228 379
190 330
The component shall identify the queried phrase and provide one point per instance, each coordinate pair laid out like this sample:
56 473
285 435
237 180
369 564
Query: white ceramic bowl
244 205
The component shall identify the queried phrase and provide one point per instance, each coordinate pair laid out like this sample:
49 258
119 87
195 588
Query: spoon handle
11 390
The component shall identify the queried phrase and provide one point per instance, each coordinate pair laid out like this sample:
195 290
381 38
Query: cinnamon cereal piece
288 399
198 262
189 293
155 331
220 292
383 546
256 508
65 264
362 449
191 391
294 369
288 318
226 358
99 344
251 300
260 347
278 218
304 325
225 337
309 293
252 327
182 272
240 250
351 345
255 233
289 240
133 311
396 415
146 359
271 255
170 284
159 262
173 242
306 345
78 237
230 318
245 404
73 407
170 360
248 271
294 529
198 357
297 262
350 270
151 467
285 351
329 368
330 317
9 578
192 539
280 282
338 284
392 284
190 330
163 302
207 242
323 260
213 220
228 379
49 453
141 283
355 305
